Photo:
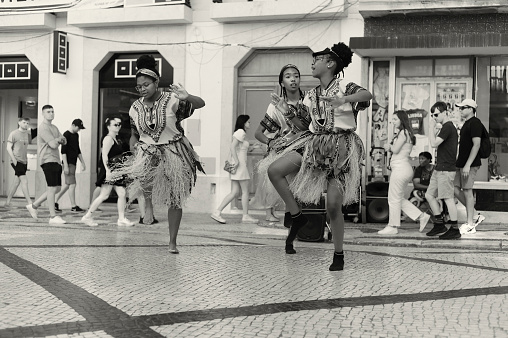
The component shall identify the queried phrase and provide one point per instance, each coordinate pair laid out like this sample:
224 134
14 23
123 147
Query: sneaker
57 208
124 223
216 216
389 230
424 219
438 228
77 209
452 233
479 218
467 228
249 219
31 210
89 221
56 220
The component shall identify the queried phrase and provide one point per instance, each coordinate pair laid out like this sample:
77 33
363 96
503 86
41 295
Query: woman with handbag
112 156
238 172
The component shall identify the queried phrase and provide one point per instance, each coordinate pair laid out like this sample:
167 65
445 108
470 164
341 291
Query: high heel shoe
338 261
289 249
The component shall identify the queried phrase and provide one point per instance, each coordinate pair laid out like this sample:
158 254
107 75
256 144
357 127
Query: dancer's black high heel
299 221
338 261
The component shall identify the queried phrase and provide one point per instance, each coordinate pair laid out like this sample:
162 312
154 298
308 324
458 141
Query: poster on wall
379 127
380 97
415 99
452 93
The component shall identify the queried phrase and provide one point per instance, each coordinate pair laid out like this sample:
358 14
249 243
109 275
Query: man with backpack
468 163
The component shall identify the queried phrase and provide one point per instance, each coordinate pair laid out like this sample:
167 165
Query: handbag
229 167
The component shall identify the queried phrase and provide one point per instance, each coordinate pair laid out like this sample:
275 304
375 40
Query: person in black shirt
70 154
441 185
468 162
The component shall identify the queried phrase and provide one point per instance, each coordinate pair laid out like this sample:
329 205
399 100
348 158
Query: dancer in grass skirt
163 167
283 134
333 155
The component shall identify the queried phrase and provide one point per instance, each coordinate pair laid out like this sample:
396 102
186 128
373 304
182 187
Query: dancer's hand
334 100
179 91
109 175
279 103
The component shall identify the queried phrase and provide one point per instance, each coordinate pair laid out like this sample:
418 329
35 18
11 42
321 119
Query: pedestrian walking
70 155
441 186
112 155
402 173
282 134
163 167
50 140
240 177
332 154
17 148
468 163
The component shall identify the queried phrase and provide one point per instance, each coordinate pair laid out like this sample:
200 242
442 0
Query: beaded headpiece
146 71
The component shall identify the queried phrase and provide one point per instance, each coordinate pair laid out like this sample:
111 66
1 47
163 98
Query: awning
431 44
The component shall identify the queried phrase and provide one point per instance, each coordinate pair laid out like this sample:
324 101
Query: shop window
411 68
452 67
498 122
435 67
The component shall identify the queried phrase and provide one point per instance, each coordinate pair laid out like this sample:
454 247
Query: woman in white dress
240 178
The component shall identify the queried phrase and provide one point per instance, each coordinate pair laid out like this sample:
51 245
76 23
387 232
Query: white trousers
402 174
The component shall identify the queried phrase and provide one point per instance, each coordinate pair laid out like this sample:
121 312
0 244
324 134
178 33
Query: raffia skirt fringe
266 195
167 170
330 156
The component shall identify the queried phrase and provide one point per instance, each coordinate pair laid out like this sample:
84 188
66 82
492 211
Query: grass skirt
166 171
330 156
266 195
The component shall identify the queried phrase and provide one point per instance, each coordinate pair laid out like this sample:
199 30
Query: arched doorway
258 77
117 79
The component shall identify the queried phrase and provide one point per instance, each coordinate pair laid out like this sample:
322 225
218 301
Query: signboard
60 52
126 68
15 70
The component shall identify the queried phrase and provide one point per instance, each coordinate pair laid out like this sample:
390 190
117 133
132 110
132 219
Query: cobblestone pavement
234 280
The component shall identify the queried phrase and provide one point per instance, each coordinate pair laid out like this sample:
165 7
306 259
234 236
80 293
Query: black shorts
53 173
20 168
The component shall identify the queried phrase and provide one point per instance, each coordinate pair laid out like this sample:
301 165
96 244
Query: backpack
484 150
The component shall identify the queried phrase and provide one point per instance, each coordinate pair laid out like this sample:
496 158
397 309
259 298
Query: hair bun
344 52
146 61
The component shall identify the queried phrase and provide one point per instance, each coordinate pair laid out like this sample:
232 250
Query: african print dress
334 150
164 162
287 138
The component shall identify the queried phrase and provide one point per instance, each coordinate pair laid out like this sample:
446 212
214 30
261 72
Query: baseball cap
468 103
78 123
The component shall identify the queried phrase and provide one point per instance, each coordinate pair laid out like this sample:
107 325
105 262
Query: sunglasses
117 124
465 107
436 114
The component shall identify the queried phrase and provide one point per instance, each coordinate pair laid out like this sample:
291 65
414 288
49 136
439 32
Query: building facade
420 52
81 61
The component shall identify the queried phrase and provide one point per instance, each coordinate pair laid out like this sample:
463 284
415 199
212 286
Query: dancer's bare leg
174 219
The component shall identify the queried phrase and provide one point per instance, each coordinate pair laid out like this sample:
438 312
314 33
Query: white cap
468 103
